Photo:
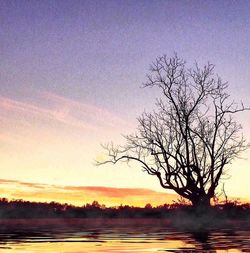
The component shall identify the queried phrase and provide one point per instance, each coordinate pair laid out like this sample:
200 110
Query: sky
80 195
71 74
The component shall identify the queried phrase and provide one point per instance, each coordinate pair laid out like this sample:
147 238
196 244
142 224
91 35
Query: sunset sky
70 79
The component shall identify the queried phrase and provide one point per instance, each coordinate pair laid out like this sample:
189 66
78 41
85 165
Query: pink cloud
95 114
20 183
114 192
65 111
101 190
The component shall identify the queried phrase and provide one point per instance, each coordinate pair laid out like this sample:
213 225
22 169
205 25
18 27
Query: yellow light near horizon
81 195
40 145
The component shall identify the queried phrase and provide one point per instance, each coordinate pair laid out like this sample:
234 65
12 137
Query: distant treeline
13 209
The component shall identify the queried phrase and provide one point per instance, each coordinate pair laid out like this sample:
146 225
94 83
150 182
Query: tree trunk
202 203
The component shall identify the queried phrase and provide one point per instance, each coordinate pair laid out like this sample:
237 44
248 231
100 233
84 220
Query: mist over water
122 237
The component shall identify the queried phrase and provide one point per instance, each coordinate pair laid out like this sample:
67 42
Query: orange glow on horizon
54 140
79 196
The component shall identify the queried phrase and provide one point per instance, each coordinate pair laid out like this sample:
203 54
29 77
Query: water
117 237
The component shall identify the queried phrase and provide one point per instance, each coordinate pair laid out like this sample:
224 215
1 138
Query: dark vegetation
20 209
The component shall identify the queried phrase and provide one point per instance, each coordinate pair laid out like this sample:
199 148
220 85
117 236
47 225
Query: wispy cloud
63 110
20 183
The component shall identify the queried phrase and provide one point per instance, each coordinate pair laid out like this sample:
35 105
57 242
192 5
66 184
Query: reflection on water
141 237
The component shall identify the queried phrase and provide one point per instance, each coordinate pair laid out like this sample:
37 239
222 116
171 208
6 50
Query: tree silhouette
187 142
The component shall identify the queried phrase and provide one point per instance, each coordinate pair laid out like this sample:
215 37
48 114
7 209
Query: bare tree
191 137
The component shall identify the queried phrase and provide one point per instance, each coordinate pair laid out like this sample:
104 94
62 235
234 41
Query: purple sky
100 51
59 58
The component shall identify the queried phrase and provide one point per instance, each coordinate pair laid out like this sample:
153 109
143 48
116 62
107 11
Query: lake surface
117 236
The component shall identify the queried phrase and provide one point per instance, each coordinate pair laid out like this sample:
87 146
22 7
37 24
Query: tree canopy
191 136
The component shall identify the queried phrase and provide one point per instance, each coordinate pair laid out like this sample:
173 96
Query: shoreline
120 222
